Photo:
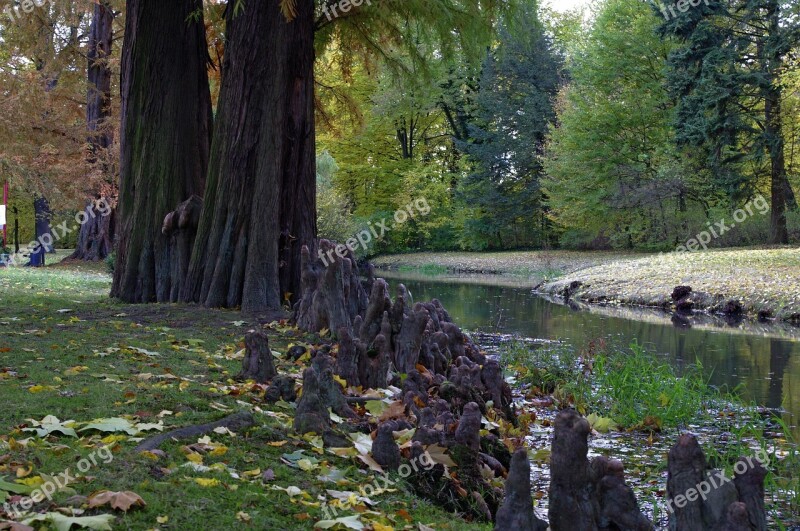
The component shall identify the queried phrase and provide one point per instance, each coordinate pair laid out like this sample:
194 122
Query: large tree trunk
166 130
260 205
98 95
95 239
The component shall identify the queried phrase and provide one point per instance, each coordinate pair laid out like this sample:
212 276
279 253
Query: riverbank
757 283
764 282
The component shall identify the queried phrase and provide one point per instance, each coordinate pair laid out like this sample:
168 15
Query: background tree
515 108
726 80
96 237
612 175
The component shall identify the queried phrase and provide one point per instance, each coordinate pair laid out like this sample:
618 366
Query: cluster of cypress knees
448 388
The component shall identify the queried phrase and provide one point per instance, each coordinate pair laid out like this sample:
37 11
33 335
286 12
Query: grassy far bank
68 351
532 267
764 281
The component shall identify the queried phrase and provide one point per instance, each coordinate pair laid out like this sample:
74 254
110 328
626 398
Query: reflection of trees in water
779 354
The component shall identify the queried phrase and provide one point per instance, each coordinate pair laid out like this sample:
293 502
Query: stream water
761 360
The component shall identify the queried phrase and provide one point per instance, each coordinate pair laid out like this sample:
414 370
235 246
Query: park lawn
69 351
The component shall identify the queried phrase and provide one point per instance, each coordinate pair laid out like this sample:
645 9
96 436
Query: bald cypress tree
260 203
166 128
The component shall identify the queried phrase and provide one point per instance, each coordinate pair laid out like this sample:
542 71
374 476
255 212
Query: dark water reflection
763 361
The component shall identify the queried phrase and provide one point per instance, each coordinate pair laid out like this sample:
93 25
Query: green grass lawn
69 351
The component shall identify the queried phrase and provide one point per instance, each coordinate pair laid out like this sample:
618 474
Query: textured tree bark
166 130
96 237
571 505
779 185
517 509
260 205
101 34
588 495
724 503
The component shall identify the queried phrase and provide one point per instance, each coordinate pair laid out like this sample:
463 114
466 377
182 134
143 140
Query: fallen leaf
121 501
438 455
62 522
51 424
350 522
207 482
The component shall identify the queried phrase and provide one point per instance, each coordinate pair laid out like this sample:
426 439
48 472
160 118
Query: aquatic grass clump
637 390
631 386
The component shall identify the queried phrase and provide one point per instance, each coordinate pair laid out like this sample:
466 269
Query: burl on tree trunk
257 364
180 226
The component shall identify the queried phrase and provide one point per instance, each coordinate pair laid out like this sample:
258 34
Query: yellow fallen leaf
252 473
219 450
207 482
162 519
195 458
277 443
243 516
40 388
35 481
306 465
